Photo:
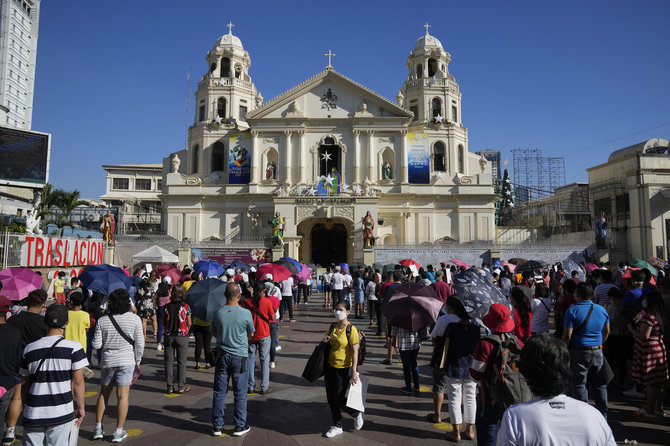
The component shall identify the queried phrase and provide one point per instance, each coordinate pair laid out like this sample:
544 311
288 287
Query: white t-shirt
540 321
556 421
287 287
326 278
442 323
337 280
348 280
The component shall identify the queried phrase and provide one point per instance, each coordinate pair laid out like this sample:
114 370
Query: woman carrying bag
341 367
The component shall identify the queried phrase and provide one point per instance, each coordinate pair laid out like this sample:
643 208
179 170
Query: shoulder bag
118 329
605 374
31 378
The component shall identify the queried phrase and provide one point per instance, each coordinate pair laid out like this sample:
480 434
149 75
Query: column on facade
255 158
303 158
287 176
357 157
371 157
404 175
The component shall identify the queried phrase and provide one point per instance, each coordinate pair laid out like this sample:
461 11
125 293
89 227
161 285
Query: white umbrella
155 254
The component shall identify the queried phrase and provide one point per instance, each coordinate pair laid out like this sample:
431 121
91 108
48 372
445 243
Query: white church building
323 154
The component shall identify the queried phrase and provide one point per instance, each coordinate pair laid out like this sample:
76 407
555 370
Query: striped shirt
49 401
116 351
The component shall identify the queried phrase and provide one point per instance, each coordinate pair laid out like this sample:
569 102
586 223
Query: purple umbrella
18 282
304 274
411 306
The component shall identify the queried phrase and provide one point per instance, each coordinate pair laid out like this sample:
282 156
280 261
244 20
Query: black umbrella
288 265
530 266
477 292
411 306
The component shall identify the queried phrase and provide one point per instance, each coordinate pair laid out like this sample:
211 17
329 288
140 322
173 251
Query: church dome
427 41
230 40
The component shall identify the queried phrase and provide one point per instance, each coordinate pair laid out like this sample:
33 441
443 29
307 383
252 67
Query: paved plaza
296 412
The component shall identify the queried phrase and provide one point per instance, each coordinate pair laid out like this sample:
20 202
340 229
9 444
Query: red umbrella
459 263
18 282
411 306
170 271
409 262
279 272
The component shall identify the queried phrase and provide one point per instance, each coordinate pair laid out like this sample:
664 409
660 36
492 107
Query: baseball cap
55 316
168 280
230 272
5 304
252 269
268 276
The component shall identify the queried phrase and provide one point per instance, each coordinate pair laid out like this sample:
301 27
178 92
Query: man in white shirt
286 298
553 418
337 284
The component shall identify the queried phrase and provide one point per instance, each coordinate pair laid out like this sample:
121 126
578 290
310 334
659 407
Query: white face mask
340 315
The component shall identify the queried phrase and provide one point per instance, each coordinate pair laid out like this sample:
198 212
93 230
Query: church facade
322 155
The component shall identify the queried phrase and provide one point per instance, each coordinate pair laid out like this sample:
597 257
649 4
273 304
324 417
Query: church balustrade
231 82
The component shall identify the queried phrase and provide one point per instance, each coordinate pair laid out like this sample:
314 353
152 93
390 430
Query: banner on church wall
250 256
239 158
418 157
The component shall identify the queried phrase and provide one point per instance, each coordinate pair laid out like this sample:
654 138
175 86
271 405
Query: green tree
67 202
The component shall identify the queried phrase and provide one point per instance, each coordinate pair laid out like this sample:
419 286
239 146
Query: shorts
439 381
326 287
359 298
121 376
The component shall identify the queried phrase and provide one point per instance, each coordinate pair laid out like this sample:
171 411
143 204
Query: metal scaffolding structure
537 174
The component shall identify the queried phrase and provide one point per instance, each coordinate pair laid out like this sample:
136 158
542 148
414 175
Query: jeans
410 368
286 301
175 346
89 348
4 405
203 339
58 435
585 366
274 339
487 424
120 375
296 296
337 383
159 319
468 388
230 367
337 296
263 348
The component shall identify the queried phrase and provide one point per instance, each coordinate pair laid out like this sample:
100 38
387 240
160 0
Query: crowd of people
568 332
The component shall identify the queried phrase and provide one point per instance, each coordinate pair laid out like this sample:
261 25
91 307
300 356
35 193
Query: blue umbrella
344 266
477 292
238 264
297 264
205 297
209 268
104 278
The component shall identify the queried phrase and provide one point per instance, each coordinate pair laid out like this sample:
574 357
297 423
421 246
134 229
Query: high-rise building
19 23
494 157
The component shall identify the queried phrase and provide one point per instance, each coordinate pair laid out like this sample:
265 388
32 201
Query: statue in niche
176 162
278 230
368 228
387 171
271 171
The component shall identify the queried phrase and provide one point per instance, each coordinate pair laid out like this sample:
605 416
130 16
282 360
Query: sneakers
266 391
216 431
633 393
358 421
97 434
119 436
159 347
406 390
291 320
386 362
239 431
7 441
278 348
272 364
333 431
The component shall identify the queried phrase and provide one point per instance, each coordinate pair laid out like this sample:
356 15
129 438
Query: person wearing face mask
341 368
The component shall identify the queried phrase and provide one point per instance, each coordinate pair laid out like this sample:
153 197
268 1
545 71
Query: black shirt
31 325
10 354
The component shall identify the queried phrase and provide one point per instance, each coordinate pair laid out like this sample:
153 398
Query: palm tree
48 198
67 202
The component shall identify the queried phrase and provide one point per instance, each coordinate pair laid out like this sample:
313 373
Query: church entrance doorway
329 243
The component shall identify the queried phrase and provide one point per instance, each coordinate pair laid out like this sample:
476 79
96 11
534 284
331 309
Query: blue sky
573 78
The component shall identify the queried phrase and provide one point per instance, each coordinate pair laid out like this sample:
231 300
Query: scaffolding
537 174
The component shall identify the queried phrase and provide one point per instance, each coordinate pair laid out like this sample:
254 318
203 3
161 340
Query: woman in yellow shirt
341 368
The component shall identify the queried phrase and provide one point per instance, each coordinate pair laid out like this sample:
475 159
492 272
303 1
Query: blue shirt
592 333
233 325
431 276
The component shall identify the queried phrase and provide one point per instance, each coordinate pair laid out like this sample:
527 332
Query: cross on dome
230 28
329 55
427 26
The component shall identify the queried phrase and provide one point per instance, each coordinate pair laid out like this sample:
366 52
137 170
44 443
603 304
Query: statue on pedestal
278 230
271 171
386 171
108 226
176 162
368 228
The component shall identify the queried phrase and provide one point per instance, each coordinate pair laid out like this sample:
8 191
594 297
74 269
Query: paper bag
357 394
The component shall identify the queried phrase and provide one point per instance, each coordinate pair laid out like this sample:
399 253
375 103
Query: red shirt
264 309
383 286
443 290
521 332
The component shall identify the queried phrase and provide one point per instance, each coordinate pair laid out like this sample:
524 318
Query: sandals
431 418
184 390
170 389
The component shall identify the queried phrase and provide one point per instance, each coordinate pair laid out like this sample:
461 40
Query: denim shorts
121 376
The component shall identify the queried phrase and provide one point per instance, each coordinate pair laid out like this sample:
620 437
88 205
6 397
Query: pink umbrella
18 282
590 267
459 263
170 271
511 266
304 274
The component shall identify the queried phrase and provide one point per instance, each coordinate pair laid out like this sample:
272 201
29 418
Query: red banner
40 251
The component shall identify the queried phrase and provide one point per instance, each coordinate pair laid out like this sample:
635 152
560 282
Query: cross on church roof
230 27
329 55
427 26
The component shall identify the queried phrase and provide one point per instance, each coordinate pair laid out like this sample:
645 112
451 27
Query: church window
218 157
120 183
461 159
159 184
439 164
419 71
436 105
142 184
212 67
454 113
243 113
196 159
329 141
330 157
225 67
432 67
221 107
202 113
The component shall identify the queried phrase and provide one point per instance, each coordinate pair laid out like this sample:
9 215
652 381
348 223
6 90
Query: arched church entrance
329 243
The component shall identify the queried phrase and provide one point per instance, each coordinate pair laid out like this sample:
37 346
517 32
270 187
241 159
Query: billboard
418 158
24 157
239 158
250 256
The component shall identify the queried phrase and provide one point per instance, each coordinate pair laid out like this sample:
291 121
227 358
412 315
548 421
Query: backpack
361 341
505 382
